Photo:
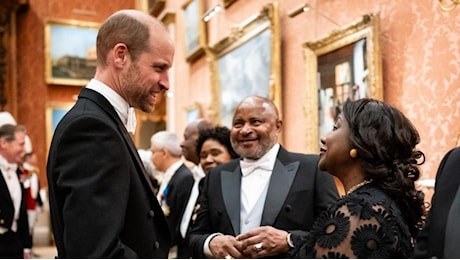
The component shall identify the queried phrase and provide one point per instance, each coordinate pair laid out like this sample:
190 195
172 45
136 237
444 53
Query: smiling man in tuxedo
251 207
102 202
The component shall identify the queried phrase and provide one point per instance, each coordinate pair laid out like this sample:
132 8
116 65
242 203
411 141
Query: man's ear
3 142
279 124
120 55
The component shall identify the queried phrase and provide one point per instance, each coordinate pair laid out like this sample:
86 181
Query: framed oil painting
245 63
55 111
70 52
346 65
194 112
195 32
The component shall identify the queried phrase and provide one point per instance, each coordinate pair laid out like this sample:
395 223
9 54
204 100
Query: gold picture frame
331 79
70 51
195 29
193 112
228 3
54 112
246 62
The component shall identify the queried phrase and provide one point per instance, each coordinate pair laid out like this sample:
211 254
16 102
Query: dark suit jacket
6 220
101 201
430 243
297 193
179 188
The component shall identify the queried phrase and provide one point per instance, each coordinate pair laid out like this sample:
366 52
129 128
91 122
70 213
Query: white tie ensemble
198 174
254 187
126 113
14 188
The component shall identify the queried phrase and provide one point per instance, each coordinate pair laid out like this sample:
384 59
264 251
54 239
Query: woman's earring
353 153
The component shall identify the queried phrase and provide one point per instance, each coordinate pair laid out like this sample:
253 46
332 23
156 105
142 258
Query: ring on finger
259 246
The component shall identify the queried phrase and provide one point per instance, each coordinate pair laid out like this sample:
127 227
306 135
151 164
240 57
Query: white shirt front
14 188
166 178
198 174
253 184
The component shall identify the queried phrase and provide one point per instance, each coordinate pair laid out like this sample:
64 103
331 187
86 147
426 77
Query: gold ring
228 257
259 246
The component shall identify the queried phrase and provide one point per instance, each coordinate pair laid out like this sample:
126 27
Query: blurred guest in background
213 148
32 189
177 181
371 149
188 145
441 234
15 239
154 175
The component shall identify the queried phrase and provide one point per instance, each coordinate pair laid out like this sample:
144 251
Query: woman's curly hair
386 140
219 133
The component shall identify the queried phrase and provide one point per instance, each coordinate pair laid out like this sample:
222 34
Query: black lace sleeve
365 224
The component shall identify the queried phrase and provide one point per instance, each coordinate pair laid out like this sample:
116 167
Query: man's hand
264 241
224 246
27 253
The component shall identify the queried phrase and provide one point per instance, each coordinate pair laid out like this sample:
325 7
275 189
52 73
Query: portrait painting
244 72
344 66
70 52
195 37
246 63
55 111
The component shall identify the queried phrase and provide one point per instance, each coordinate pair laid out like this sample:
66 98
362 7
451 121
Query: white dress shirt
126 113
198 174
14 188
166 178
253 183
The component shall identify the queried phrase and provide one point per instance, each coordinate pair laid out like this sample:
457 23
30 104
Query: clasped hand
259 242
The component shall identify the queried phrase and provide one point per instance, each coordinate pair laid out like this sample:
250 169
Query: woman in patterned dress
371 149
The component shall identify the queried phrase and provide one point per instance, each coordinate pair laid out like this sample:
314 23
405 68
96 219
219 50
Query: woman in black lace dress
371 149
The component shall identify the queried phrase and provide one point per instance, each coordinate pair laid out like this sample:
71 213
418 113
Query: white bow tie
247 167
131 122
9 168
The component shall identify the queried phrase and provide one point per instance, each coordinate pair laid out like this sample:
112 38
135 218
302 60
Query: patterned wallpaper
420 47
420 54
421 61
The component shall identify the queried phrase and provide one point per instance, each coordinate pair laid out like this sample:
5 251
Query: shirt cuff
206 249
3 230
289 241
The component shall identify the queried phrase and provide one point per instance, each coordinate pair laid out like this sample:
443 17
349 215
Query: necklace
357 186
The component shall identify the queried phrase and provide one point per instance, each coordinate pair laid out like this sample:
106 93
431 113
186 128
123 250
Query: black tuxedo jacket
179 188
101 200
430 243
297 193
7 215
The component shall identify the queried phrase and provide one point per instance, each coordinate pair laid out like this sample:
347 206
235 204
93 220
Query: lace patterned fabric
365 224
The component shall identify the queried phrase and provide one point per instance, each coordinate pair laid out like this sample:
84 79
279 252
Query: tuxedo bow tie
247 167
131 122
9 167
